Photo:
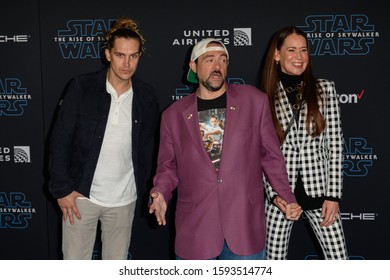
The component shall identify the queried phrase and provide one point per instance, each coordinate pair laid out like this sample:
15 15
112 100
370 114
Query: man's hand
293 211
159 207
68 206
280 203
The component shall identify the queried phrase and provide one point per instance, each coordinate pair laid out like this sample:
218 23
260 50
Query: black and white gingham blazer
319 158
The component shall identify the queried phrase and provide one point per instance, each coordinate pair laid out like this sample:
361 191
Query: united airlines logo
13 97
358 157
242 37
83 38
239 36
16 154
340 34
22 154
15 210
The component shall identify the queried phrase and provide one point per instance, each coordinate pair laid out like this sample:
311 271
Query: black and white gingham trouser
331 238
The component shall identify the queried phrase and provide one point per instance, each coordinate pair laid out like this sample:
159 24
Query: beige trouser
78 240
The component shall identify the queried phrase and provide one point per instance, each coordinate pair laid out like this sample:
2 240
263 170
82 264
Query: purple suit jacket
229 204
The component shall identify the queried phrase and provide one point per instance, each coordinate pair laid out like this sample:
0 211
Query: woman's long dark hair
310 91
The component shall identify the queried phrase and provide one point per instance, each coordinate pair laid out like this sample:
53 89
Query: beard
207 84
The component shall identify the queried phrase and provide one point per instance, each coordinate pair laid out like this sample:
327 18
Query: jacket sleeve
166 179
149 138
272 158
60 145
334 137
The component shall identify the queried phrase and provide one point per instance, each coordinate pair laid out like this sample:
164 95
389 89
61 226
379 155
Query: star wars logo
358 157
13 97
15 210
83 38
339 34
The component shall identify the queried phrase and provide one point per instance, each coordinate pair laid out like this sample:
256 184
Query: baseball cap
201 48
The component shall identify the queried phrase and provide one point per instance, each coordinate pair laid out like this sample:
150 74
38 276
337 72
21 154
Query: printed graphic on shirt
212 124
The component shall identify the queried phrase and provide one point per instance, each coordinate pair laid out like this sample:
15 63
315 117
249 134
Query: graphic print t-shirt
212 124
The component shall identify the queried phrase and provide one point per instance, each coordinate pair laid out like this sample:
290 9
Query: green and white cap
200 48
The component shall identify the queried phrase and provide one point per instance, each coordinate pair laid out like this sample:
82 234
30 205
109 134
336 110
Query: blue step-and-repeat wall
44 43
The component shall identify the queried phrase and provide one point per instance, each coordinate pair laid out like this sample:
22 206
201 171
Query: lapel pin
233 108
189 116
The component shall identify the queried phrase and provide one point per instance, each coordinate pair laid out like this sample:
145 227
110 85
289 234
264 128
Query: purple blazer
229 204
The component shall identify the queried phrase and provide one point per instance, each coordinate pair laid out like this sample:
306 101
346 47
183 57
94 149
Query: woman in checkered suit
306 116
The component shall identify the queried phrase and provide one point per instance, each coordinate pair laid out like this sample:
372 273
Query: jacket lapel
233 109
191 120
285 116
